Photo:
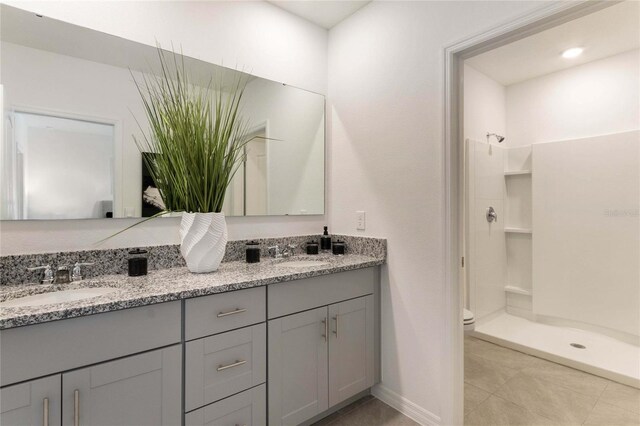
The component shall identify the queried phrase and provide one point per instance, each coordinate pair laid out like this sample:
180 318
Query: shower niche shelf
518 179
517 172
517 290
516 230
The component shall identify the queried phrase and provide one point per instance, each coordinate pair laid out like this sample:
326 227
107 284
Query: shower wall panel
486 242
586 242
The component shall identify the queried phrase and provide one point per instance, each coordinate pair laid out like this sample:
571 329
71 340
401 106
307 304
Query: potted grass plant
197 136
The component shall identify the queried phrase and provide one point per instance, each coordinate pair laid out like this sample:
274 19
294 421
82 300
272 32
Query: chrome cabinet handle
45 412
235 364
76 407
336 331
226 314
326 328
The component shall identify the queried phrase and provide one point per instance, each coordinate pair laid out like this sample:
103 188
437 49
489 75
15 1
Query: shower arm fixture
499 138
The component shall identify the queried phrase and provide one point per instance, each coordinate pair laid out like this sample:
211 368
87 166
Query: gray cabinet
319 358
32 403
298 367
351 348
137 390
248 408
52 347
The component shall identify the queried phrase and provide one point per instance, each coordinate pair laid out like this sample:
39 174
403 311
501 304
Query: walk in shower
552 212
557 273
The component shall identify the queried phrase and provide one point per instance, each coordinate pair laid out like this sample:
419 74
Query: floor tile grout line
563 386
548 381
494 393
608 381
599 398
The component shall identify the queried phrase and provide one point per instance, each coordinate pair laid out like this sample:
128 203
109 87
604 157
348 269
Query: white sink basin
302 263
57 297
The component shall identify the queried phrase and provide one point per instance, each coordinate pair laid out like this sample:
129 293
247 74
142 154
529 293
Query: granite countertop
168 284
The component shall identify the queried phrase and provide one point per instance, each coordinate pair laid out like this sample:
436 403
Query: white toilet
469 321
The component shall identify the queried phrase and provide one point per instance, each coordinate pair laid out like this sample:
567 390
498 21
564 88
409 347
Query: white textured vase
203 239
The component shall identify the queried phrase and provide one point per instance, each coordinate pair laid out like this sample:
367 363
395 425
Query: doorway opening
520 237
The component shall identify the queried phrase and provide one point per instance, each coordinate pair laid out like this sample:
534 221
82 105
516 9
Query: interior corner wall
386 94
486 251
596 98
254 36
485 106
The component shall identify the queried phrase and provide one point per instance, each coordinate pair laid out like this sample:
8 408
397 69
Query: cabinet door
297 367
138 390
246 408
351 348
32 403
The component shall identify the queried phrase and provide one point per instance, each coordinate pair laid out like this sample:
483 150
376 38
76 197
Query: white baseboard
406 407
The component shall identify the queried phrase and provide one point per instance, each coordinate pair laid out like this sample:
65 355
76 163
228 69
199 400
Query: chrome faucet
61 276
76 275
289 250
492 215
47 273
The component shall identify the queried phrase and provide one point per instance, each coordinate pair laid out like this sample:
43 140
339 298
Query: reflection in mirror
70 107
79 154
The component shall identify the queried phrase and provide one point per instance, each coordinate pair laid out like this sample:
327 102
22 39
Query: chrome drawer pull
45 412
336 319
235 364
226 314
326 328
76 407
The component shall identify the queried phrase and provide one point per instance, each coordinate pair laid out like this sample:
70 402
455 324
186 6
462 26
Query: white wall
596 98
485 106
386 67
255 36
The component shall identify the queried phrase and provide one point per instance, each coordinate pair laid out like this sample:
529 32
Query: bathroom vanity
248 345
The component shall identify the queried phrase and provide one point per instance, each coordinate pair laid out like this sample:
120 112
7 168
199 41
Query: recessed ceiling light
572 53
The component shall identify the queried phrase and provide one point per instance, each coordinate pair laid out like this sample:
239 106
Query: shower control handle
492 216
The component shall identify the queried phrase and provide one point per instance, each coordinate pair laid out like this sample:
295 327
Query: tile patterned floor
506 387
367 411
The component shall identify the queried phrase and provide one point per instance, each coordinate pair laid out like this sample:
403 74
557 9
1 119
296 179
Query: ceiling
610 31
326 14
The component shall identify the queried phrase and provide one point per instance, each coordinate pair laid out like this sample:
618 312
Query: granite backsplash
13 269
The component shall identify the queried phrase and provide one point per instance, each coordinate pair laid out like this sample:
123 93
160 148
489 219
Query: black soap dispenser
325 240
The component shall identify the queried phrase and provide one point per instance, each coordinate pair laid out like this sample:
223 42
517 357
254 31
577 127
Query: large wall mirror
71 110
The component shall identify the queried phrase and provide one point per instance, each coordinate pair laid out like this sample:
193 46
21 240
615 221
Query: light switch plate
360 221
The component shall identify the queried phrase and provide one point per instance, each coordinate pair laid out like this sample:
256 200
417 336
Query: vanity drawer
224 364
42 349
217 313
296 296
248 408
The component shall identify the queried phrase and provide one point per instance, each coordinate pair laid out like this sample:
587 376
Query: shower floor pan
601 355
